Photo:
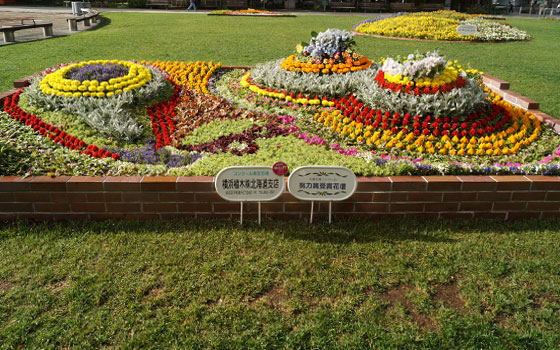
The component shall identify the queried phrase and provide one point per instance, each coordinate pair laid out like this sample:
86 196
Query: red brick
283 216
508 206
424 216
494 196
511 182
399 196
544 183
460 196
523 215
548 206
475 206
375 216
302 206
195 183
68 197
52 207
408 183
179 197
425 196
381 196
140 197
545 215
272 207
449 206
228 207
15 207
528 196
140 217
443 183
87 207
177 216
216 216
194 207
6 197
477 183
8 217
14 183
104 197
32 197
371 207
336 207
106 216
495 216
553 196
159 207
208 197
159 183
85 183
122 183
360 197
455 216
489 80
287 197
373 184
123 207
410 207
53 216
47 183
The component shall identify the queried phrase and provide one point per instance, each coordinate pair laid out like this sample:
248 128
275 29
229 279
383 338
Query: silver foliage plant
460 102
110 116
271 75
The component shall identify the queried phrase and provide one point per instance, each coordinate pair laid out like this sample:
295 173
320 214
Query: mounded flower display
417 114
439 25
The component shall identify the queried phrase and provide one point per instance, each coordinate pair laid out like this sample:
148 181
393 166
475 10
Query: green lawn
355 284
532 67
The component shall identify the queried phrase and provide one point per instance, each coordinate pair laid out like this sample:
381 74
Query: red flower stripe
52 132
475 124
162 116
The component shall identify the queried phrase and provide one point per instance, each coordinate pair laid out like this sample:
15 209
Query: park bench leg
73 25
9 37
87 22
48 31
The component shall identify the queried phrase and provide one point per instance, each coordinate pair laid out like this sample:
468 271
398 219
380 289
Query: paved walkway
58 16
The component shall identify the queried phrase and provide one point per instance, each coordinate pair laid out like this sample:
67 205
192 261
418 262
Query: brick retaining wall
168 197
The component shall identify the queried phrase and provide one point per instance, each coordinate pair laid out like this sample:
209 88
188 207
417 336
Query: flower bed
439 25
421 114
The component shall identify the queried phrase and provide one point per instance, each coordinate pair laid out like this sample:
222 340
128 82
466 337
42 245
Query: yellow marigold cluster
55 83
449 75
195 75
300 99
291 63
525 129
416 26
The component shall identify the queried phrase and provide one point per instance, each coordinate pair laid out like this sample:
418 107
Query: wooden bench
430 7
9 29
228 4
91 16
164 3
372 6
342 5
402 6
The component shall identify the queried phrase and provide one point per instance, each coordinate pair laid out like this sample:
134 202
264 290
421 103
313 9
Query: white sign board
322 183
466 29
249 183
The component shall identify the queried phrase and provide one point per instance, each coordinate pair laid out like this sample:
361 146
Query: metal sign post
249 184
322 183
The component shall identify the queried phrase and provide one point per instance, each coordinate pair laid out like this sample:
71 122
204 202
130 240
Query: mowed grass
532 67
351 285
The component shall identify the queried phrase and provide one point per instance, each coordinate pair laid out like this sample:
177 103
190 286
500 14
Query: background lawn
532 67
355 284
